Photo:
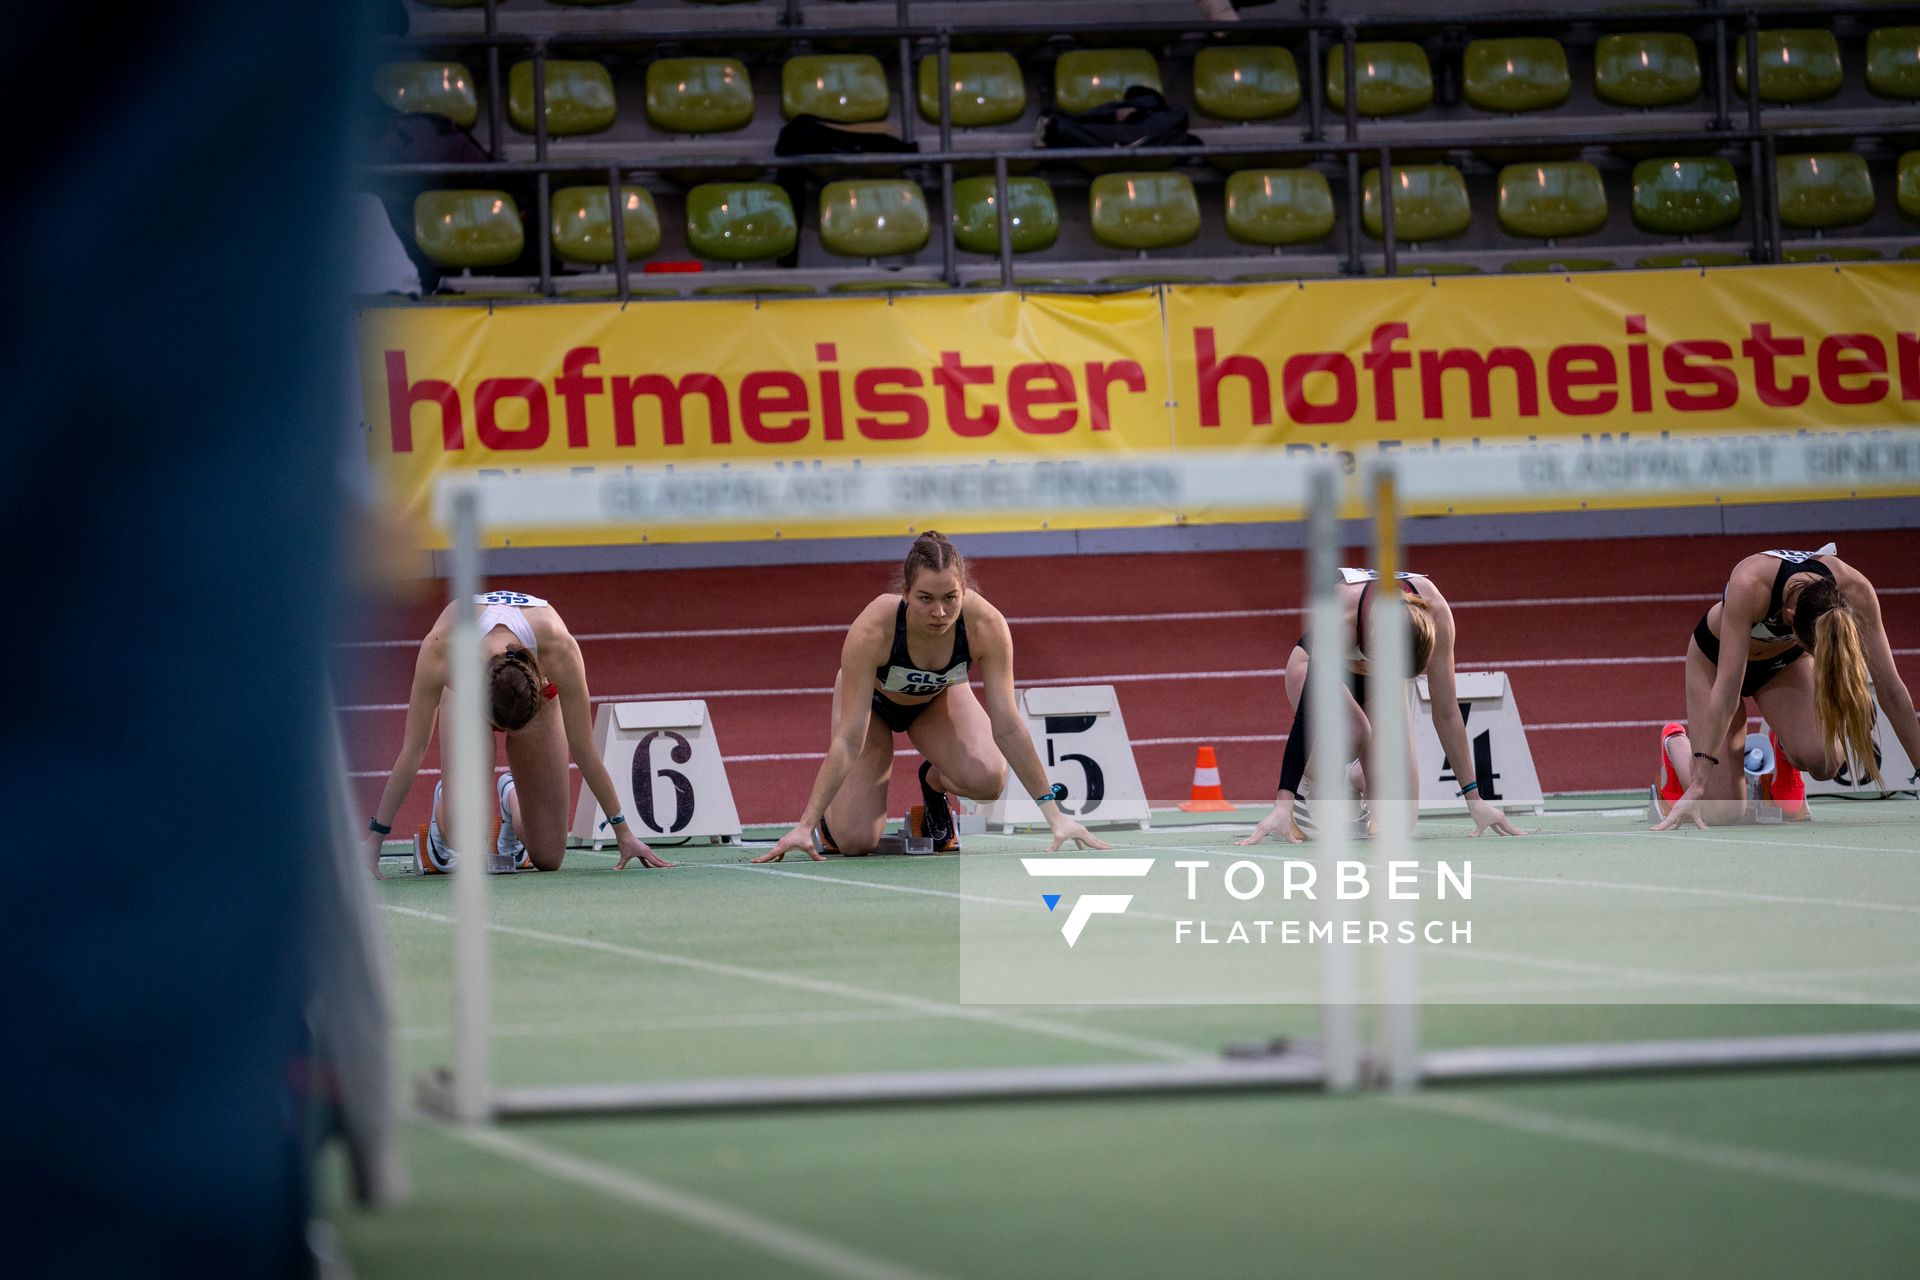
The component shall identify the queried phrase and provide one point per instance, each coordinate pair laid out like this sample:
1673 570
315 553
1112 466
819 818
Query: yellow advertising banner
1347 368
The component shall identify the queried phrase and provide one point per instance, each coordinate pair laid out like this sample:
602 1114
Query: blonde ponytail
1842 699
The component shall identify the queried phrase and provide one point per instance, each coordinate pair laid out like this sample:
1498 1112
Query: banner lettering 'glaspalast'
1347 368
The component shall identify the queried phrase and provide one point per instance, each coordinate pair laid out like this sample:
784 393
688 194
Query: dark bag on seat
1142 118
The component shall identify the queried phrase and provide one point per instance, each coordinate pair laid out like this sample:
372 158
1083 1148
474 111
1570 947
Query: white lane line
1034 904
765 1235
1787 845
688 1022
1078 619
847 991
1830 1175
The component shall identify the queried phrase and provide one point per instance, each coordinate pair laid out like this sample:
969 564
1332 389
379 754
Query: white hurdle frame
691 497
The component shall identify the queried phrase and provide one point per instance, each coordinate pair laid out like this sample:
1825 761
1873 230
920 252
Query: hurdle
1242 485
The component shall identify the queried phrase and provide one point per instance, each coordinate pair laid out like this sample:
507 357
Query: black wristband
1701 755
374 825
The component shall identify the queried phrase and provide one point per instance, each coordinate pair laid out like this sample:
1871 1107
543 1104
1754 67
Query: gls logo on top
1089 904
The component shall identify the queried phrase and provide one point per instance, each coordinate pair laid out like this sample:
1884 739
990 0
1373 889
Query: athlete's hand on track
371 852
631 847
1685 809
1281 819
1067 829
801 837
1487 818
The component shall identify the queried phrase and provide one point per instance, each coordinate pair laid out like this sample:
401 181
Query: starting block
1758 764
424 863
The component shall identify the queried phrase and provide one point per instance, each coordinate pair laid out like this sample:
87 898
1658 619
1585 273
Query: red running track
1591 633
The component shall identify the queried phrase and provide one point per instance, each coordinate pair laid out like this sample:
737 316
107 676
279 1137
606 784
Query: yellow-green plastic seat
1245 81
1906 188
1408 268
1893 62
1911 251
1823 189
1798 64
750 290
847 88
1685 195
1429 203
1391 77
579 97
1032 282
1144 210
583 230
1665 261
1035 218
1646 69
1277 207
886 286
428 88
1517 73
1531 266
873 217
1086 78
1159 277
699 95
988 89
468 227
740 221
1551 199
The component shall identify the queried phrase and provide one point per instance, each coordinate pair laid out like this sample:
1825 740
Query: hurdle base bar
887 1088
1652 1057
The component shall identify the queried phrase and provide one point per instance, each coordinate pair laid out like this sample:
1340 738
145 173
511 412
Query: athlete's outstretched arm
853 712
568 670
1710 718
995 652
423 709
1451 726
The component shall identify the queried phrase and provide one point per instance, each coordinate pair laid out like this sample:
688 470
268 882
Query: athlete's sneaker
1787 788
509 851
1303 818
823 840
937 822
1656 803
438 860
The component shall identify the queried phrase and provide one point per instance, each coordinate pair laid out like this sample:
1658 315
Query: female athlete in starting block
1778 607
537 695
903 669
1432 650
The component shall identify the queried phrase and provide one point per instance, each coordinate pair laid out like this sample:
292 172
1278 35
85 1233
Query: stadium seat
1086 78
1823 189
888 285
847 88
1532 266
1245 82
1144 210
468 228
1032 282
1663 261
740 221
583 231
751 290
1429 203
873 217
1279 206
1551 199
1907 185
1796 65
1685 195
699 95
579 97
1521 73
1391 77
1035 221
428 88
1893 62
1646 69
987 89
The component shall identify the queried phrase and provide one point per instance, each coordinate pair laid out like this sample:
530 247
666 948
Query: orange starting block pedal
919 842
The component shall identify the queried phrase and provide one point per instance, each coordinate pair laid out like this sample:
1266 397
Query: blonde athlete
537 692
1781 606
1432 652
903 669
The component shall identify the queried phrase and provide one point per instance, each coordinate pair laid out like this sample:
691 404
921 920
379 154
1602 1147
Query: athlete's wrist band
378 828
618 819
1471 786
1701 755
1056 793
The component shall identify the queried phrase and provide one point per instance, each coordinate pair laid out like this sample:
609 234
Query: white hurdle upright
1332 747
468 747
1390 783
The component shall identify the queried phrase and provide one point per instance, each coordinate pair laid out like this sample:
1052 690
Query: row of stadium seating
1228 85
1290 217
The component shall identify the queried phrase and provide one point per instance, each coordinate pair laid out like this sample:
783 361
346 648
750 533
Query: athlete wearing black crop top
903 669
1433 639
1780 606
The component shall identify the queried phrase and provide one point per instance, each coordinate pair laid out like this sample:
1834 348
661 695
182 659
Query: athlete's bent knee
546 857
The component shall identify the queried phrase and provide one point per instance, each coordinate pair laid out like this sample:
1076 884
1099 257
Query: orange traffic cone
1207 796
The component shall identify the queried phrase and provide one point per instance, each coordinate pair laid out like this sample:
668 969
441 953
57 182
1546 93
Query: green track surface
712 970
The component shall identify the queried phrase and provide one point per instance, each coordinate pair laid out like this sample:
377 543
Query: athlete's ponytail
1827 627
1420 623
